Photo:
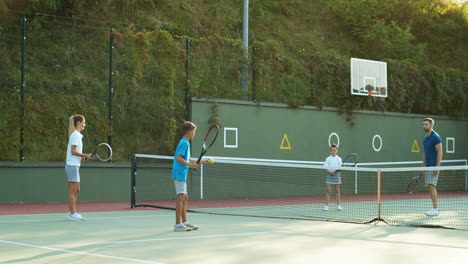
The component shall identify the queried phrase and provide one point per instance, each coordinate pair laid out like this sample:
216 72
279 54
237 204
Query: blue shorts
73 173
431 178
180 186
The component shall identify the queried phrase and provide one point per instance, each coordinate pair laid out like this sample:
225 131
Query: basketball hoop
368 78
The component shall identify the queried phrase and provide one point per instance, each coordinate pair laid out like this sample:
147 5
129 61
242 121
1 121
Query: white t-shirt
75 139
333 162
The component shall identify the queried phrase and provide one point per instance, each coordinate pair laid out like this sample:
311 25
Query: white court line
81 252
86 218
350 237
181 238
109 212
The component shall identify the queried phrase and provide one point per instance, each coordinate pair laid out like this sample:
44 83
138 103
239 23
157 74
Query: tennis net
296 190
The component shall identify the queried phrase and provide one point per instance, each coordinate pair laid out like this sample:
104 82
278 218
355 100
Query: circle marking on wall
337 137
373 143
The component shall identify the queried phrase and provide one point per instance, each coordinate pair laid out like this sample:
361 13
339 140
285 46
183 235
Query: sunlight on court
148 237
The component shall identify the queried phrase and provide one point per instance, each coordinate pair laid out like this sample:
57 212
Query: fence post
133 181
187 80
254 71
111 89
23 84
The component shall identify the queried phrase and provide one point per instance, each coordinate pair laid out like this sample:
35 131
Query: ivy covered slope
300 56
303 47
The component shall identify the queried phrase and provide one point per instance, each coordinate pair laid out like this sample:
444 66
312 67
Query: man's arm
438 148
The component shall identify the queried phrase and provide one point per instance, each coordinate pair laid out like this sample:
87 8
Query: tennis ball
211 161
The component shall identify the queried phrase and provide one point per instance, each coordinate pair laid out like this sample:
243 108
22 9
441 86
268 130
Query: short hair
430 120
188 126
333 146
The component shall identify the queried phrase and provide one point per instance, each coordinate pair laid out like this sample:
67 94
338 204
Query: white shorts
431 178
180 187
73 173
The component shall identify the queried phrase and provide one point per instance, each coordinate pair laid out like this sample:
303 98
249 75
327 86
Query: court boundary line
180 238
80 252
350 237
86 218
100 212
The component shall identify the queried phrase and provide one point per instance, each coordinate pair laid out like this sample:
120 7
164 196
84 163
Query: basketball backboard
368 78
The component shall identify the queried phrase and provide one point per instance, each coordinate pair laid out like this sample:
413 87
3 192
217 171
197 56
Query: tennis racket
103 152
350 161
413 183
209 140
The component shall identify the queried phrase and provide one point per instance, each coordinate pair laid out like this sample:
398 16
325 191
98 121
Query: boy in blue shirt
181 165
432 157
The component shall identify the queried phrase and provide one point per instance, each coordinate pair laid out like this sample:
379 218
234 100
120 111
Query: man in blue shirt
181 164
432 157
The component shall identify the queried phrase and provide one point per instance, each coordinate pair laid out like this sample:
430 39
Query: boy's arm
203 161
180 159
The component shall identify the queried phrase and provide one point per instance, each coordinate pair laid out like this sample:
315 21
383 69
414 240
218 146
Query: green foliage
401 29
67 65
391 41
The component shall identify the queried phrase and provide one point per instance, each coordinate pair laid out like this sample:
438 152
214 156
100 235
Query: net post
201 181
132 181
379 194
355 180
466 176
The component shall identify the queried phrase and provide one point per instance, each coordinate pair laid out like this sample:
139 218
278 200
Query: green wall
46 182
261 128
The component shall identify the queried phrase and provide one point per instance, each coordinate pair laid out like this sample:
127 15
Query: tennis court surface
250 211
146 236
296 190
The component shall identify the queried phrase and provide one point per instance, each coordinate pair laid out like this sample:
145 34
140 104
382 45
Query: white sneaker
340 208
433 212
189 225
75 217
182 227
325 208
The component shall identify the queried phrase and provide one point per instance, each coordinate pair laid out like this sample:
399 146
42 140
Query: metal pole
23 84
245 40
133 181
379 194
254 90
111 89
187 80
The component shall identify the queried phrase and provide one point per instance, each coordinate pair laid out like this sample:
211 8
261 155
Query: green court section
266 130
47 183
148 237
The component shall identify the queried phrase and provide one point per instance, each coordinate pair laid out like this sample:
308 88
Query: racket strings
103 152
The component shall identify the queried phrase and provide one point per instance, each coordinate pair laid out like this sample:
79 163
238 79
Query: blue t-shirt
179 170
430 152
